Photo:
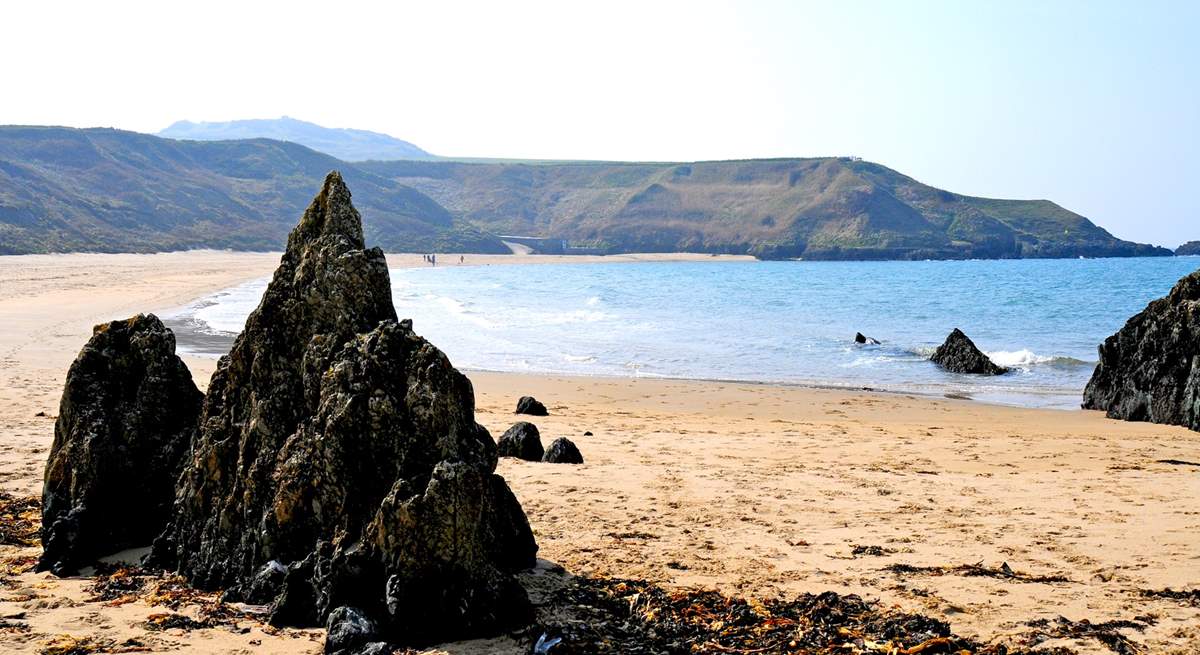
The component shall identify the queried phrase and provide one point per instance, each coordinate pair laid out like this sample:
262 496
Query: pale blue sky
1094 105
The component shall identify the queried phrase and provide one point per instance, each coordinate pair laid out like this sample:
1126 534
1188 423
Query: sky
1094 105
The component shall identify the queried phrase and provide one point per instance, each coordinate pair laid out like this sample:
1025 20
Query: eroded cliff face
338 463
127 416
1150 369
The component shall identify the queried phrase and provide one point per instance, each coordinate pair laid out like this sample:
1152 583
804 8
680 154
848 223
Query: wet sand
752 489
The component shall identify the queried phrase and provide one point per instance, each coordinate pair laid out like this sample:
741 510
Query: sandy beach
754 490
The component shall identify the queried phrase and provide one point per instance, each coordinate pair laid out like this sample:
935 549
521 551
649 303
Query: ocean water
772 322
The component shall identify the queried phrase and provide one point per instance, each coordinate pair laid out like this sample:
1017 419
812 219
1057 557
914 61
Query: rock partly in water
530 405
563 451
1150 369
127 415
522 441
863 340
959 355
341 445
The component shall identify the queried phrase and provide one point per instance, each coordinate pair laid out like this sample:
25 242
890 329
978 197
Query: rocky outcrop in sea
1189 248
126 418
960 355
1150 369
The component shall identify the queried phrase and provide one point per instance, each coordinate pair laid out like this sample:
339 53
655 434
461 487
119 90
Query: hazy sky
1093 105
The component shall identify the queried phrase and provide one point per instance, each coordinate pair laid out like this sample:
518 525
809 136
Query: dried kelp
1191 597
116 585
636 617
173 620
20 520
1004 571
71 645
120 585
1178 462
1107 633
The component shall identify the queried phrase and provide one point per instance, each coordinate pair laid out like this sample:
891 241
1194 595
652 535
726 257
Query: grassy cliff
105 190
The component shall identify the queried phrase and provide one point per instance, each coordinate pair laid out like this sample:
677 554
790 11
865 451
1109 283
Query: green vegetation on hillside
106 190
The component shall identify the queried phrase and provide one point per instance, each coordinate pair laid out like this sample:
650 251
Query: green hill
105 190
826 208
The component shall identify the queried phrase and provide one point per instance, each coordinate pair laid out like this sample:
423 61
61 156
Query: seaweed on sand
637 617
1106 633
20 520
1004 571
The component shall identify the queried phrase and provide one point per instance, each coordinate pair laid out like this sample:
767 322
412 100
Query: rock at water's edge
530 405
563 451
1150 369
341 446
960 355
522 441
127 415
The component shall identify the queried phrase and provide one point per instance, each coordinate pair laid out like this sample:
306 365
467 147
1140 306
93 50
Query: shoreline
749 488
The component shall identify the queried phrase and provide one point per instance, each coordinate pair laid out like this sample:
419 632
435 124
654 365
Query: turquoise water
784 322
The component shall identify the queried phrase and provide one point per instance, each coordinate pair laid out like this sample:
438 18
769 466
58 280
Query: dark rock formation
530 405
522 441
341 445
348 631
126 418
1150 369
1189 248
862 339
959 355
563 451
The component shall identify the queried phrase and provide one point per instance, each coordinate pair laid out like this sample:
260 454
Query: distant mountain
105 190
1189 248
345 144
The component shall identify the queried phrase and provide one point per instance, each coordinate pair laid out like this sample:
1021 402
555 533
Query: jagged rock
347 630
864 340
339 443
127 415
1150 369
530 405
959 355
522 441
562 451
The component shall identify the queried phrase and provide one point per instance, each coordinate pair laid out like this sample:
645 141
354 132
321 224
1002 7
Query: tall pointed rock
338 462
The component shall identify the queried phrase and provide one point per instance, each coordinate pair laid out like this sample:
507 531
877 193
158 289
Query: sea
789 322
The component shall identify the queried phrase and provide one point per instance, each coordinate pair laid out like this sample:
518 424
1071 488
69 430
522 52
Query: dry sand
753 489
